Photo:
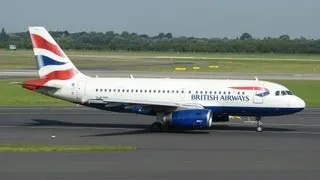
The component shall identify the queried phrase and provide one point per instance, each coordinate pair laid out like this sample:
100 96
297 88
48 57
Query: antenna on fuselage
131 76
256 78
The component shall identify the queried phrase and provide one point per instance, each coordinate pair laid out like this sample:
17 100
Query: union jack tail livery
52 62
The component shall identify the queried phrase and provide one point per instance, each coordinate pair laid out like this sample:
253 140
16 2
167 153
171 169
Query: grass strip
62 148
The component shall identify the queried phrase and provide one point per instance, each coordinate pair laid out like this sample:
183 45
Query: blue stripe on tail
46 61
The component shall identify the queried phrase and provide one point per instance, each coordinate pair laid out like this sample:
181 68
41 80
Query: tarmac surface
287 149
7 74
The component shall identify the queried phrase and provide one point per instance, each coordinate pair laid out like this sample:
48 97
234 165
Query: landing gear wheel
156 127
259 124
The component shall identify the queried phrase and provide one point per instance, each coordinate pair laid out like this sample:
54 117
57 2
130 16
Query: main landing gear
156 127
259 124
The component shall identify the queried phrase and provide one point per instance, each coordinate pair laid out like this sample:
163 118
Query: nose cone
298 103
301 103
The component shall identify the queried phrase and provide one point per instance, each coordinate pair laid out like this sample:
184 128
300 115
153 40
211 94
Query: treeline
167 42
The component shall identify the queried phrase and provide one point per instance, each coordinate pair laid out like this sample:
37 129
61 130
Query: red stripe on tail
55 75
40 42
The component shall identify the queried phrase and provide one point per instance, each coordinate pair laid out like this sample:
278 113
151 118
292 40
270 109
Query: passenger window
277 93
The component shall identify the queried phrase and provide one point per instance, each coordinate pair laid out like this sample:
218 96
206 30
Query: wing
157 106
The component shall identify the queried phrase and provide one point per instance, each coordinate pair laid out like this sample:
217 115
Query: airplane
183 103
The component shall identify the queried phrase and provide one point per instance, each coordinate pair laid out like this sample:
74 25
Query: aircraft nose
299 103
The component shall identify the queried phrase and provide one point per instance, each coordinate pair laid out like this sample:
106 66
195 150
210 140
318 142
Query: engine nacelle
193 118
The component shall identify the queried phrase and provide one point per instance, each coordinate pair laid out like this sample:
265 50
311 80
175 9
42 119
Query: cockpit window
289 92
283 93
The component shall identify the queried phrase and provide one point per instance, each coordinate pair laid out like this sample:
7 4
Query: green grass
12 94
61 148
134 61
175 54
245 66
305 89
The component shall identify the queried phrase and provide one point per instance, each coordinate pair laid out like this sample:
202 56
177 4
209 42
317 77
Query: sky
198 18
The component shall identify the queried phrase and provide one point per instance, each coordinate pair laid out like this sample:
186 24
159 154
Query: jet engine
193 118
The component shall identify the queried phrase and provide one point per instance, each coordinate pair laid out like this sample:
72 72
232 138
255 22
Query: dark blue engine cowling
193 118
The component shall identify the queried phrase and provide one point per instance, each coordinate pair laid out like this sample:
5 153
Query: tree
245 36
168 35
161 35
3 36
166 42
284 37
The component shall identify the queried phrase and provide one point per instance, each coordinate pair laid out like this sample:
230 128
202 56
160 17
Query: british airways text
219 97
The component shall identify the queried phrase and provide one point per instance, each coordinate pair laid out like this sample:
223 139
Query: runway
287 149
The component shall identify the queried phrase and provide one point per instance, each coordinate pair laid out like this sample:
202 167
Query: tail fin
52 62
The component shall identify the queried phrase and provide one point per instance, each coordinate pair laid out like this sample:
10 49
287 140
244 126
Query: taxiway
287 149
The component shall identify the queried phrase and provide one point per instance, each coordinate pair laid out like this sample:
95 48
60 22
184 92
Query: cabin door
80 89
258 93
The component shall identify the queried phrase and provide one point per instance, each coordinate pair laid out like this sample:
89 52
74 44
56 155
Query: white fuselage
217 95
187 103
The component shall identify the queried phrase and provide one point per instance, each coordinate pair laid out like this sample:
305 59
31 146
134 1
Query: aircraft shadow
145 129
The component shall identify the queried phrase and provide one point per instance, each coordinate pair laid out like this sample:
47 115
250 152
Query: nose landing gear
259 124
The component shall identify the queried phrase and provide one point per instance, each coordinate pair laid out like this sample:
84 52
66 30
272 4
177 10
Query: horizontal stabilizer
35 84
